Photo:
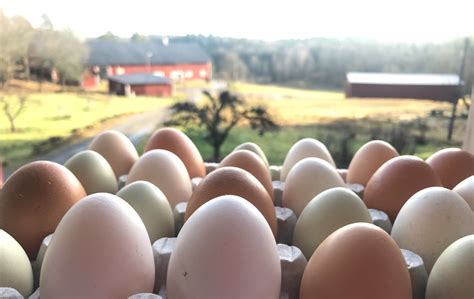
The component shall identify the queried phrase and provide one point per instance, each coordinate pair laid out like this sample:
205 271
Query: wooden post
469 138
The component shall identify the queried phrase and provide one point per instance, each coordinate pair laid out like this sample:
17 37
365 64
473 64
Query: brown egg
368 159
233 181
166 171
253 147
117 149
178 143
396 181
358 260
33 201
100 249
251 162
452 165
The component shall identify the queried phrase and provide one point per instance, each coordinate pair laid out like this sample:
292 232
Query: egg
233 181
368 159
250 146
152 207
33 201
93 171
359 260
430 220
308 178
305 148
166 171
100 249
452 165
117 149
453 273
15 267
225 250
178 143
324 214
466 190
249 161
396 181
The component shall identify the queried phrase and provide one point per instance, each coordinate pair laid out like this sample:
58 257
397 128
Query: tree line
42 53
324 62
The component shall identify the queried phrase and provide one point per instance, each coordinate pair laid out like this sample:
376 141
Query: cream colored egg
308 178
430 221
250 146
226 249
15 267
452 275
152 207
166 171
100 249
93 171
305 148
466 190
324 214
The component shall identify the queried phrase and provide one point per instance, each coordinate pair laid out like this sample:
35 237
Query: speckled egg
117 149
178 143
359 260
225 250
430 221
33 201
305 148
368 159
166 171
100 249
308 178
396 181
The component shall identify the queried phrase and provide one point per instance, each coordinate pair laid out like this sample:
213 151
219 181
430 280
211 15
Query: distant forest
323 62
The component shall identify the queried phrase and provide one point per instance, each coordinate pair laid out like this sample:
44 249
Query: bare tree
13 111
219 116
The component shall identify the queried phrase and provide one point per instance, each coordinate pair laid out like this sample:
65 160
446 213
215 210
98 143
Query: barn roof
140 79
124 52
403 79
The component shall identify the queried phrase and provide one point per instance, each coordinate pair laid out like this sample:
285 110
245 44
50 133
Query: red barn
140 84
441 87
175 61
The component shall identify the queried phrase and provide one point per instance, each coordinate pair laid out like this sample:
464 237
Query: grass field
56 117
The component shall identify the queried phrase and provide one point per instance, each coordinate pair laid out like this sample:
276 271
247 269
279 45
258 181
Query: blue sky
385 20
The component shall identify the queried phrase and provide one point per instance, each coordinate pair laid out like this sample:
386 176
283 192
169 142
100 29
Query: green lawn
64 115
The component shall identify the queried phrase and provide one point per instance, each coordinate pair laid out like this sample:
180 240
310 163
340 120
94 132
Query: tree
13 111
218 116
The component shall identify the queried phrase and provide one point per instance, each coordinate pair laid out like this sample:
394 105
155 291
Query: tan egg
233 181
225 250
368 159
308 178
359 260
430 221
152 207
117 149
466 190
250 146
93 171
324 214
15 267
166 171
249 161
33 201
305 148
100 249
396 181
453 273
452 165
178 143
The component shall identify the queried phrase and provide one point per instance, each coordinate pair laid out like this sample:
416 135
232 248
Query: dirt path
135 127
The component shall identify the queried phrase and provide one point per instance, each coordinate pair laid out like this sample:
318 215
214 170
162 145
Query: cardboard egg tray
292 259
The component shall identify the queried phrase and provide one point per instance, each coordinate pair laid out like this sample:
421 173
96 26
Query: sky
384 20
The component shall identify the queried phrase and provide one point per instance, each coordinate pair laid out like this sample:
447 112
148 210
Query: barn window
178 74
203 73
189 74
159 73
119 70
